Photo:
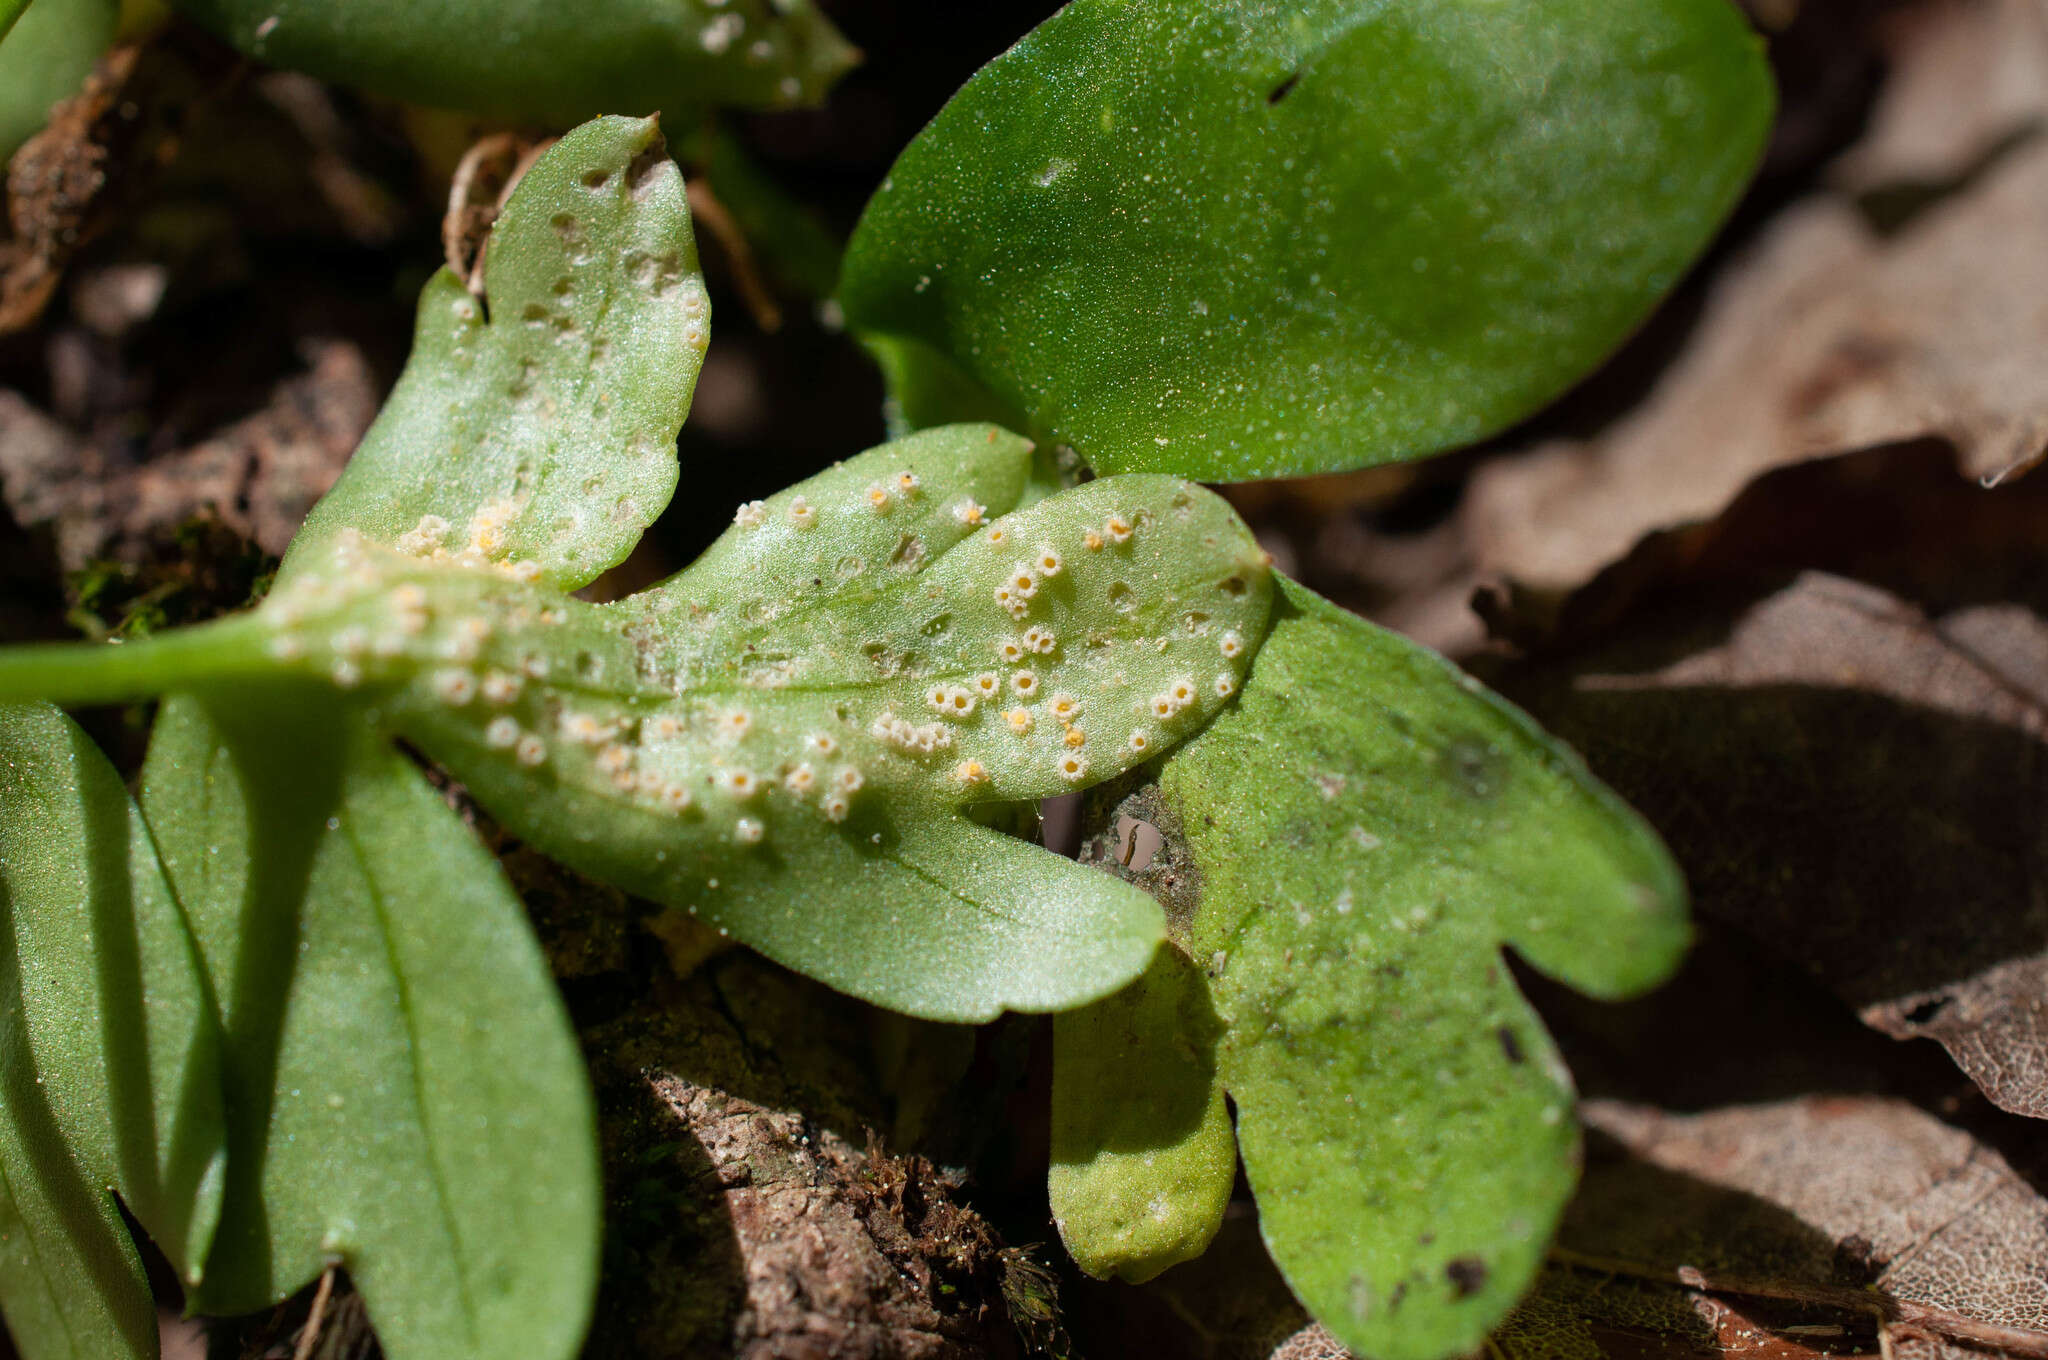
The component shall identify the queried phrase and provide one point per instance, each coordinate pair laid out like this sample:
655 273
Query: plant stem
118 672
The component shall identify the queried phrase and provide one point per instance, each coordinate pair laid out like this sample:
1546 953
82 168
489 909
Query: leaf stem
77 673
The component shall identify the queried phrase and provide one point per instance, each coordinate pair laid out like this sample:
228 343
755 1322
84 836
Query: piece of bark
1908 300
258 476
1855 784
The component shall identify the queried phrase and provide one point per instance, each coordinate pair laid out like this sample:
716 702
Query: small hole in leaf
564 286
1233 586
848 567
1137 843
1122 598
938 625
1284 88
596 179
534 312
568 228
586 665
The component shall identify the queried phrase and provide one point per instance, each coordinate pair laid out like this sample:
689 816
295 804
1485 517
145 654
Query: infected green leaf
1367 828
405 1093
535 427
537 60
1254 238
109 1058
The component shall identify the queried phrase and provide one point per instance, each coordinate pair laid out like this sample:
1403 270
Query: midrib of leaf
401 984
986 908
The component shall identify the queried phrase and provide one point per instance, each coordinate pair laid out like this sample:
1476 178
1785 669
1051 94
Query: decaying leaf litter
1894 638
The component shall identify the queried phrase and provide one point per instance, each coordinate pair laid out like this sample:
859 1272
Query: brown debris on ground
101 150
258 476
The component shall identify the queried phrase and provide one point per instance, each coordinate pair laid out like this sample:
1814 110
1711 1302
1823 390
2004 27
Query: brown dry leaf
1907 299
259 475
1813 1220
1858 785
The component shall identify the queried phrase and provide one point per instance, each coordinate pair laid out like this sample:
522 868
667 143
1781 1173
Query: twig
309 1335
707 211
1888 1312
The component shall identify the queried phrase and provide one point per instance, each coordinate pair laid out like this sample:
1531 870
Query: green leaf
405 1093
109 1059
542 60
1254 238
1367 828
45 55
1143 1156
10 12
797 717
542 438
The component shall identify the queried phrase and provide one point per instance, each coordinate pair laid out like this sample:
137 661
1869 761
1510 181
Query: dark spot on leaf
1284 88
1467 1275
596 179
1474 767
534 312
567 227
1233 586
1511 1045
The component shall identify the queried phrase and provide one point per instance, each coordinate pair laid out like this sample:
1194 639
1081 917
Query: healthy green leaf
542 60
1367 827
45 55
1143 1156
542 438
109 1059
405 1093
1253 238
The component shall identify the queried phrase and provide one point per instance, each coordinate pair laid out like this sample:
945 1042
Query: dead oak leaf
1908 300
1852 782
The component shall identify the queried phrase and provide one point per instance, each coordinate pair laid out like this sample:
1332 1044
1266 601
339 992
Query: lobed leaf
534 428
404 1091
1254 238
804 708
1366 828
109 1058
532 60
